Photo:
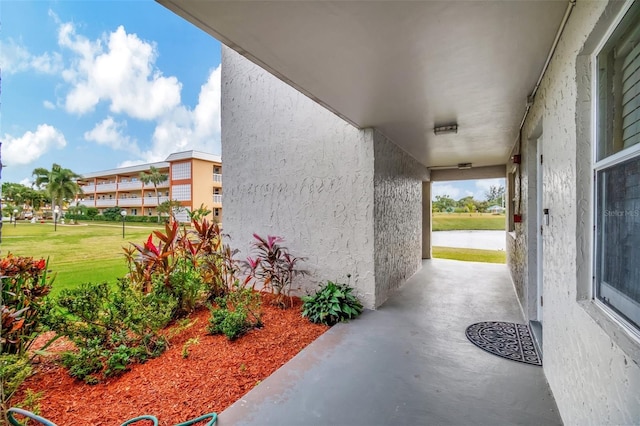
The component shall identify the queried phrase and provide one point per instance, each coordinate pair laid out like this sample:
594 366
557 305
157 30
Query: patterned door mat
505 339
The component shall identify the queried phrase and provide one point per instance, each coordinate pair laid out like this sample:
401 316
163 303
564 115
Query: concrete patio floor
409 363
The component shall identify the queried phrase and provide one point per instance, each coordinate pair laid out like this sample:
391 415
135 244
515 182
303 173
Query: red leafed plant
150 259
274 266
24 285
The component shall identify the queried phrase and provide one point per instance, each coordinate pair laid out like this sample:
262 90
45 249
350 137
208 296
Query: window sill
619 333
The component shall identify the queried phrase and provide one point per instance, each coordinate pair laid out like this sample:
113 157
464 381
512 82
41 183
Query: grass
467 221
470 255
89 252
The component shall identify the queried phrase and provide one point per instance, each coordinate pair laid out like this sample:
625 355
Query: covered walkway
409 363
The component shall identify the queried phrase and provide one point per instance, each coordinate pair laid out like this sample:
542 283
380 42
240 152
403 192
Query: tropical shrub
25 283
14 369
235 313
110 327
273 266
331 304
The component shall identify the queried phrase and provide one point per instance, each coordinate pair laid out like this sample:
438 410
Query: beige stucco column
426 220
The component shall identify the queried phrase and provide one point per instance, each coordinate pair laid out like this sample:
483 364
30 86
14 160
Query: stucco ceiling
401 66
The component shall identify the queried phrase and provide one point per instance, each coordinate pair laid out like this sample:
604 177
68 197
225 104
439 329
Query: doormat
505 339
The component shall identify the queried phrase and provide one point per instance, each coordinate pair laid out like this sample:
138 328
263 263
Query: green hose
11 411
212 417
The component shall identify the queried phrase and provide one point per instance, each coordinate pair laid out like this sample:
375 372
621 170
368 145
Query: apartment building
194 178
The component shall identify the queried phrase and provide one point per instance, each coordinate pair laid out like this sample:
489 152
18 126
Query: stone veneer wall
397 188
294 169
592 364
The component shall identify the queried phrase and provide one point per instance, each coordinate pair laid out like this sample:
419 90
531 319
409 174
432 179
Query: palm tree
59 183
155 177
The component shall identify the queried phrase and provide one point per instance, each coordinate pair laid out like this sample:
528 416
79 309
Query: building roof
183 155
124 170
194 154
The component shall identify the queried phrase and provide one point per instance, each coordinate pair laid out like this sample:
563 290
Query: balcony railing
129 202
217 198
130 185
217 177
87 203
88 188
164 184
152 201
106 187
106 203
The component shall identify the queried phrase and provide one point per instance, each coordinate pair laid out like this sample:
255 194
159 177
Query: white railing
152 201
88 188
160 185
88 203
129 202
106 203
217 198
104 187
217 177
130 185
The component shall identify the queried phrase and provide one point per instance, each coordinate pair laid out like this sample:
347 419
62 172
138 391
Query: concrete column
426 220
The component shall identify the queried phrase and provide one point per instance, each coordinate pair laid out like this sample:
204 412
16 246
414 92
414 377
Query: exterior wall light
448 128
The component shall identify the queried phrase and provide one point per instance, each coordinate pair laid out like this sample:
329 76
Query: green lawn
470 255
469 221
77 253
464 221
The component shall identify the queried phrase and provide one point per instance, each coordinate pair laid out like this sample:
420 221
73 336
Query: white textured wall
397 210
294 169
592 378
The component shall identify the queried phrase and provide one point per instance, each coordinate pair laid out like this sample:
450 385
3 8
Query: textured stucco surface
296 170
593 379
397 215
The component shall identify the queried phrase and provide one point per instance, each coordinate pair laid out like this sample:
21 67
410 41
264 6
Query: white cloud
26 182
110 133
483 186
32 145
129 163
441 189
48 104
15 58
185 129
119 69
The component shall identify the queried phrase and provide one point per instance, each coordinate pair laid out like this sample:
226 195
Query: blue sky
94 85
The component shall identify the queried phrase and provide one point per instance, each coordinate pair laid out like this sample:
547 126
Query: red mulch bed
216 373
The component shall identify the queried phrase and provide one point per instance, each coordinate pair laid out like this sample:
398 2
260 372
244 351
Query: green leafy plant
235 313
187 345
199 213
111 327
14 369
274 266
331 304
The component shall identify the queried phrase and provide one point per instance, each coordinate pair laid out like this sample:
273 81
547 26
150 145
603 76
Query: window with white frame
617 170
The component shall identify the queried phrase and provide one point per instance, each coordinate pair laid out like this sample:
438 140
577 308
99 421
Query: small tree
155 177
170 207
495 194
444 203
59 183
